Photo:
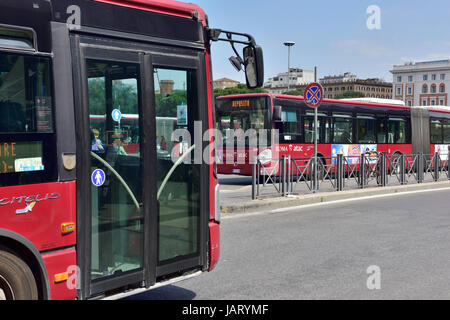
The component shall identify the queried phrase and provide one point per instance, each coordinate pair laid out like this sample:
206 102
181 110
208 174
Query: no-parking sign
313 95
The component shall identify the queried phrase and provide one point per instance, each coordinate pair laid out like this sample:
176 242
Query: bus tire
16 279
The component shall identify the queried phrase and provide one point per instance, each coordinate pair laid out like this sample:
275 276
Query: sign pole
315 140
313 98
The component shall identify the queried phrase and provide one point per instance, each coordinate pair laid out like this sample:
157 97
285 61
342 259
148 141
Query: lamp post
289 44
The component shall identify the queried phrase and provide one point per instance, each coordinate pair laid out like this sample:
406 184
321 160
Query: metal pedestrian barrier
295 175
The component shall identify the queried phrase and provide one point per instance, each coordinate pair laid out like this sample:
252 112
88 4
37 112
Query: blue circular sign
116 115
98 177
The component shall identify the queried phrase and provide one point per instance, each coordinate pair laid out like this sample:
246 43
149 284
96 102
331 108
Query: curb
271 203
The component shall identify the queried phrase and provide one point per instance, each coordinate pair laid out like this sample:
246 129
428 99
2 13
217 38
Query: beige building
422 83
334 86
224 83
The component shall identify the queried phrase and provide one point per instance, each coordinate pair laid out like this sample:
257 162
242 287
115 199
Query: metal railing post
339 173
288 180
258 173
283 175
383 169
436 166
362 172
402 169
448 163
254 179
420 167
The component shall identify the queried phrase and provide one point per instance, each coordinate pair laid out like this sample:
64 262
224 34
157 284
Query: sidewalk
238 200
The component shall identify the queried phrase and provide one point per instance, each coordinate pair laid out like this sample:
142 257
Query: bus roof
171 7
387 103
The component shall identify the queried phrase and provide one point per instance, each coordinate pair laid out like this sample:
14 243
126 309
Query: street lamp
289 44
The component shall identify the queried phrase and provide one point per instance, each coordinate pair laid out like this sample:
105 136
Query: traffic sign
116 115
98 177
313 95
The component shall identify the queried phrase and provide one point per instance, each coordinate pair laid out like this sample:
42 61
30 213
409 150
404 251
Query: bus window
288 126
446 129
396 130
178 184
323 130
365 129
436 131
343 129
381 130
26 119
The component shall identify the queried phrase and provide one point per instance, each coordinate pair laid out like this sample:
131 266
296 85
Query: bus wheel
16 279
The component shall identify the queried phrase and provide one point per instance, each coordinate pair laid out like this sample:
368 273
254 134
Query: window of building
441 102
425 77
410 78
442 76
399 91
433 88
424 88
399 79
433 77
424 102
442 88
409 90
433 102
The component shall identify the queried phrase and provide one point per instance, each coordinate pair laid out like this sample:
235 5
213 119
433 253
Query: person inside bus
163 145
97 144
118 143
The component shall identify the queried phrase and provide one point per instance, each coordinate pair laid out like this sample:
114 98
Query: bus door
139 192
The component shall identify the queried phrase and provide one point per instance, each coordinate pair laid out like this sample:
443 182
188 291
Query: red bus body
240 163
39 220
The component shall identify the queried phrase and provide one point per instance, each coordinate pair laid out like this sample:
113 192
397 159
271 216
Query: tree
350 94
294 93
239 89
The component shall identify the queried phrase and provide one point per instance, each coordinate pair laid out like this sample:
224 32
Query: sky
333 35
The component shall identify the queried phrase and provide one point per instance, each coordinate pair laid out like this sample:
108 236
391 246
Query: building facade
223 83
422 83
336 86
298 78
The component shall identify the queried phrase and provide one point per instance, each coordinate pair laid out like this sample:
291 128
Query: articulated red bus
350 127
93 206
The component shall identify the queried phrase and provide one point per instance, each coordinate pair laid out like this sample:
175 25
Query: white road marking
312 205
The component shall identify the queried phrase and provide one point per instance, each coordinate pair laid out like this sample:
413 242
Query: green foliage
350 94
239 89
166 106
294 93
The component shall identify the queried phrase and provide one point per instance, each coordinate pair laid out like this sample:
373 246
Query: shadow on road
170 292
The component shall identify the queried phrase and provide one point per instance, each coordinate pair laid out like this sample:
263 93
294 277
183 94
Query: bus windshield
245 114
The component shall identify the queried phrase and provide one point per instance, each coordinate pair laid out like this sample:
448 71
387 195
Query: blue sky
332 35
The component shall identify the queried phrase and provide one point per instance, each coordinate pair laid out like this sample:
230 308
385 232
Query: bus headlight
265 156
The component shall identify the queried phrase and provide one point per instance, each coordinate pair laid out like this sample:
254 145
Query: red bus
92 206
350 127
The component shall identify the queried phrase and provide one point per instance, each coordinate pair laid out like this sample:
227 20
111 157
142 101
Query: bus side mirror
254 66
277 113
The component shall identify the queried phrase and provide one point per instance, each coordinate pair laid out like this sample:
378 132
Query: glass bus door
139 189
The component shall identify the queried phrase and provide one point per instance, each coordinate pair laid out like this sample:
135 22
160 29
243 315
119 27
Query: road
324 252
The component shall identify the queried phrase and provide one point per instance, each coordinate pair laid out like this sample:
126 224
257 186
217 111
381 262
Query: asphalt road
324 252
